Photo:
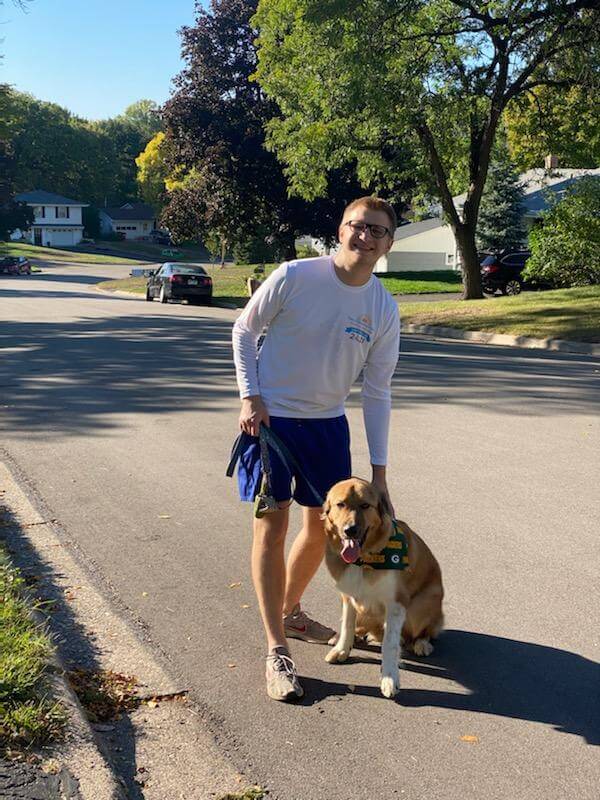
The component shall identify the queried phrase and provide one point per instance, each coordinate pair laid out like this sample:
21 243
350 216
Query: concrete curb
81 752
504 339
215 304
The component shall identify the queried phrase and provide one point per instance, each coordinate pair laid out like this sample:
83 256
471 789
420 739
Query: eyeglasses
376 231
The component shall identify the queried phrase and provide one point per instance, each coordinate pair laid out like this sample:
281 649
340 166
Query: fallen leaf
470 739
244 605
152 704
235 585
351 686
231 666
164 516
144 594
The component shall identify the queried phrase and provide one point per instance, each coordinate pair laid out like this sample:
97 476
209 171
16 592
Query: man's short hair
375 204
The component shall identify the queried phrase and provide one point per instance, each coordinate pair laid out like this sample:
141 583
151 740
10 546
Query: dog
389 580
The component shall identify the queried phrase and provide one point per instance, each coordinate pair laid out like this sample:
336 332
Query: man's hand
379 480
252 414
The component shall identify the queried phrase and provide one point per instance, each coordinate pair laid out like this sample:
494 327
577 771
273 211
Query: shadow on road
75 376
505 677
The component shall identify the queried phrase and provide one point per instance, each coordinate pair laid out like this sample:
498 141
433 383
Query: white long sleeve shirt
321 334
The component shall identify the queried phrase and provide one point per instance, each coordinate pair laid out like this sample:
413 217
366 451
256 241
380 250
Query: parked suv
15 265
503 271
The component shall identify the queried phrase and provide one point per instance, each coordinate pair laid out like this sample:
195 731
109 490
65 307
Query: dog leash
268 439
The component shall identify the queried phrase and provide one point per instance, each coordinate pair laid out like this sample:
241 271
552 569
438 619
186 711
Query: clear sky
94 57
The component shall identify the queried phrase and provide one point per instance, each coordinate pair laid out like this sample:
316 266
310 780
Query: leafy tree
144 115
215 136
153 171
565 248
352 78
500 223
90 217
14 215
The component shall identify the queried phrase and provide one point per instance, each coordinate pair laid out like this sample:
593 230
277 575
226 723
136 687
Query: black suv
503 271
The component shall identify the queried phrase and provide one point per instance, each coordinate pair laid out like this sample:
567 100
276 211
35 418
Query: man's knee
271 530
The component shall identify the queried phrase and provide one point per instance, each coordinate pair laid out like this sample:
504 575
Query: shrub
565 247
305 251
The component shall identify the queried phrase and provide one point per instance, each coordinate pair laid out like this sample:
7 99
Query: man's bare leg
268 573
305 557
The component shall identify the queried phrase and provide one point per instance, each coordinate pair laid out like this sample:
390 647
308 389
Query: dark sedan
180 282
15 265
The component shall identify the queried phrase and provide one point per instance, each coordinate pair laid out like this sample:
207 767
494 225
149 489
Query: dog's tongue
350 550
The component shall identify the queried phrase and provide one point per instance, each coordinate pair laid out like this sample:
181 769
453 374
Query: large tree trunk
465 239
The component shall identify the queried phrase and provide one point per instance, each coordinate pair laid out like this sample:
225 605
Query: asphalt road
122 414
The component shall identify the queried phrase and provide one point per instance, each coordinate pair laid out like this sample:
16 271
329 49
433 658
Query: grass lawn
572 314
27 712
230 282
154 252
40 255
421 282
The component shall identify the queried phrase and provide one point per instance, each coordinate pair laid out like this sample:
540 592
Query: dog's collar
393 556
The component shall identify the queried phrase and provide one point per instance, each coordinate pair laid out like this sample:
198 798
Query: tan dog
382 603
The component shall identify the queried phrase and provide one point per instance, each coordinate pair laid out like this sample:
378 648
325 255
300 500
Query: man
328 319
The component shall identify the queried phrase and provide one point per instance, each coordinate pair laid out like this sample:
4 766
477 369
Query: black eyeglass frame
369 226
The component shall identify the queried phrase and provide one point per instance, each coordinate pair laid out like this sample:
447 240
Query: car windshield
185 270
487 261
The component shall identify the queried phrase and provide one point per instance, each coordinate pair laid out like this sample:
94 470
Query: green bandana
393 556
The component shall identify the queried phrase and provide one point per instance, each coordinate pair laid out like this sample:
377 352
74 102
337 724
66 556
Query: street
121 415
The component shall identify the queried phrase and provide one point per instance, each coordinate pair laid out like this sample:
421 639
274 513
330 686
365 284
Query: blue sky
94 57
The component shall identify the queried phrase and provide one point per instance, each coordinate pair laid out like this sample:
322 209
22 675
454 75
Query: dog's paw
422 647
390 686
336 655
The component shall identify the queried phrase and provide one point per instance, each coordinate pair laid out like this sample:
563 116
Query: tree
215 134
14 215
153 171
354 77
500 223
565 248
144 115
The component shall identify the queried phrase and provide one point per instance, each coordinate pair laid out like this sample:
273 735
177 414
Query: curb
80 752
504 339
215 304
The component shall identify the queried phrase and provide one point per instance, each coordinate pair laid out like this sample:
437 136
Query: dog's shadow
504 677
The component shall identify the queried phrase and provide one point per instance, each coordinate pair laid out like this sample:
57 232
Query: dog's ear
326 509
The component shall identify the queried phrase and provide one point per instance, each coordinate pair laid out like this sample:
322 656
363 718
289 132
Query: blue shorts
320 446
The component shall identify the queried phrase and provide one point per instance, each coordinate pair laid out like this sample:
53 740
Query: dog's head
357 517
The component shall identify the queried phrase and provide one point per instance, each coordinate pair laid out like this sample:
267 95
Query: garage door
62 237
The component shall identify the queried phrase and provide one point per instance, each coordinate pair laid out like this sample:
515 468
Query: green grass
421 282
27 712
40 255
572 314
229 283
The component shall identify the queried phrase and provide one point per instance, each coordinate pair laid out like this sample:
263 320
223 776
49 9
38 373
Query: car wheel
512 287
149 297
163 295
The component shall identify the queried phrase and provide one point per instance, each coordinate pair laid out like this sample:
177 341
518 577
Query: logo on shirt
360 329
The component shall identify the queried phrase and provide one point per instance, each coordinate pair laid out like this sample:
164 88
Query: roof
130 211
413 228
41 198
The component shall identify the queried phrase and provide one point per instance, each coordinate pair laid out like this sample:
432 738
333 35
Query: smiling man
328 319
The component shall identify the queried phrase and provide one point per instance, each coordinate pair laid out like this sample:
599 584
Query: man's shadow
504 677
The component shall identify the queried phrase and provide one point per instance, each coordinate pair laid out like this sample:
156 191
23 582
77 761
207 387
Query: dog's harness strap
393 556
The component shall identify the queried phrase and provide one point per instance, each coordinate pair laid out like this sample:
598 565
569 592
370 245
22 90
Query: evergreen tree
500 224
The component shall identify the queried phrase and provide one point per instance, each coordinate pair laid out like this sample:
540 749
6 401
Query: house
134 220
57 219
430 243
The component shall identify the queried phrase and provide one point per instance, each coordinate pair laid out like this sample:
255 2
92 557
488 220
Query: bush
565 248
305 251
255 250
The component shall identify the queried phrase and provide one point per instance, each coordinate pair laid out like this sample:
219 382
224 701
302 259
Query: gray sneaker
298 625
282 680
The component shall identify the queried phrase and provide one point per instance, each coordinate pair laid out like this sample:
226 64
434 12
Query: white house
430 244
135 220
57 219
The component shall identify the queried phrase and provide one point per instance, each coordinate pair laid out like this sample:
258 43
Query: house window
450 259
145 226
62 212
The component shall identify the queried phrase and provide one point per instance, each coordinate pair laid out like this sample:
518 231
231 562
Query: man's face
362 249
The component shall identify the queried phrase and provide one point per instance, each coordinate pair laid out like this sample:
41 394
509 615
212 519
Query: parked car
15 265
159 237
180 282
503 271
